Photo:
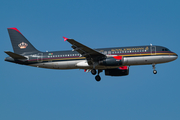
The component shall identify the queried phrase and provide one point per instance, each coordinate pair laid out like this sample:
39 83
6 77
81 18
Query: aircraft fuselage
138 55
114 61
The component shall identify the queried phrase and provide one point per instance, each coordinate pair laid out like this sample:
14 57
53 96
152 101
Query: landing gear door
40 57
153 50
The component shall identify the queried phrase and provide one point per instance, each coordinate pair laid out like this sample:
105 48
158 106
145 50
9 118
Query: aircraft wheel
93 71
154 71
98 78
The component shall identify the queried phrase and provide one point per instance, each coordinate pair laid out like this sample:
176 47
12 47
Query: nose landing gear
154 71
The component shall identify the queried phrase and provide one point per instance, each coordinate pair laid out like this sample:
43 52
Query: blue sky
29 93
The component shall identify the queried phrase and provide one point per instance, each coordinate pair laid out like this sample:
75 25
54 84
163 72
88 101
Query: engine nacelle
122 71
112 61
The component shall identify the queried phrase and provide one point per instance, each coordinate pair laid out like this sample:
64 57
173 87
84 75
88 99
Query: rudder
19 43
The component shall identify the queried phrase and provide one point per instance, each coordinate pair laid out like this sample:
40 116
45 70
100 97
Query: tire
93 71
98 78
154 71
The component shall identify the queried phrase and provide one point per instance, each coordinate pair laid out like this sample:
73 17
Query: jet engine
121 71
112 61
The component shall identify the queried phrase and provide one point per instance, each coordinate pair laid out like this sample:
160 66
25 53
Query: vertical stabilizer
19 43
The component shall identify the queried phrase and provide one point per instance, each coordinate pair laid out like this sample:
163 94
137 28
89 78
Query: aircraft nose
175 56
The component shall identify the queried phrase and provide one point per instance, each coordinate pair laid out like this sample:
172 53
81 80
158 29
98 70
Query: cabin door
40 57
153 50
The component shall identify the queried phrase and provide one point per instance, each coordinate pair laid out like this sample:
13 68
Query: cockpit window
165 49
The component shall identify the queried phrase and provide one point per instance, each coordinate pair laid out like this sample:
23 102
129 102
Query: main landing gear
98 78
154 71
93 71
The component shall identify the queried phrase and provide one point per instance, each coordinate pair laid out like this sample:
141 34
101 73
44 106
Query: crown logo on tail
23 45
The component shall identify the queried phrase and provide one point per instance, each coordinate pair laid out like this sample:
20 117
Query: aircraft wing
85 51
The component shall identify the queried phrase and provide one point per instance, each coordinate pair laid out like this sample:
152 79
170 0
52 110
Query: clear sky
29 93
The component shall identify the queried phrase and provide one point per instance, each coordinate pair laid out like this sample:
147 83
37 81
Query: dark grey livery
19 41
114 61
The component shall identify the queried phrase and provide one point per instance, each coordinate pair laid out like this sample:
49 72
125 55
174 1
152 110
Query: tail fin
19 43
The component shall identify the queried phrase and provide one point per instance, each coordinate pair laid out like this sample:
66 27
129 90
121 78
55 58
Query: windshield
165 49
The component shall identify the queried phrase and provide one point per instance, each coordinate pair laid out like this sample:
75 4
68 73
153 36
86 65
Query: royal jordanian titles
113 61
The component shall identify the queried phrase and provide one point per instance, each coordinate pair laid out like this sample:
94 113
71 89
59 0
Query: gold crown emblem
23 45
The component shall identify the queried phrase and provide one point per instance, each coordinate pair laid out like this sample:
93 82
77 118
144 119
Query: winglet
65 38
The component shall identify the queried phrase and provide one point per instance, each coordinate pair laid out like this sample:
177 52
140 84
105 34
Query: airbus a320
113 61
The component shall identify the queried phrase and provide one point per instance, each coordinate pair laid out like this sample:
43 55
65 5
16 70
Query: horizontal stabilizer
14 55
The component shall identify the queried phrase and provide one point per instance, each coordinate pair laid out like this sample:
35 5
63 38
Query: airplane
114 61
